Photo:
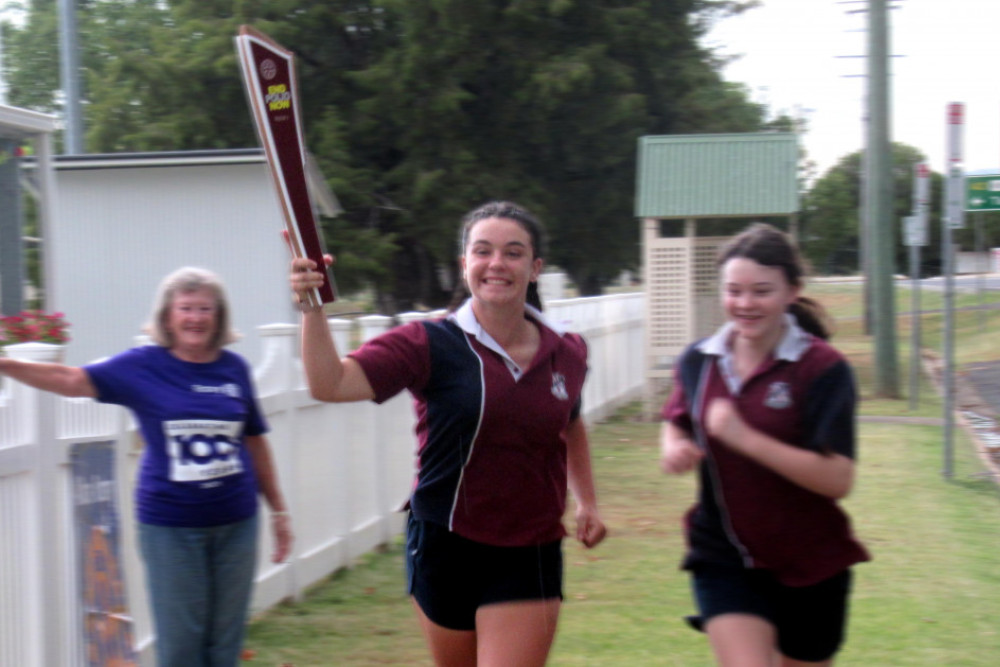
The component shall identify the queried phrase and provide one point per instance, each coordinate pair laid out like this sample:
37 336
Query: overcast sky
795 56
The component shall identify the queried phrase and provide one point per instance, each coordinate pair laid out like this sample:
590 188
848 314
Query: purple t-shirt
195 470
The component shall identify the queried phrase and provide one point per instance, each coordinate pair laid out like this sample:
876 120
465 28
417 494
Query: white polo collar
793 344
465 318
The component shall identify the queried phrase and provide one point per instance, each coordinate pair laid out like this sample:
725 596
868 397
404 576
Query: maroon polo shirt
490 436
748 514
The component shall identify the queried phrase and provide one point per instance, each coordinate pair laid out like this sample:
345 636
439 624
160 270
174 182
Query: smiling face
499 262
192 319
755 298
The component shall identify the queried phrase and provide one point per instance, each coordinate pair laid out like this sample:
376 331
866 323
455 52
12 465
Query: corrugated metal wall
703 175
118 231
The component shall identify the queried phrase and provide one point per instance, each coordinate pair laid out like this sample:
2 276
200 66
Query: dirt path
977 405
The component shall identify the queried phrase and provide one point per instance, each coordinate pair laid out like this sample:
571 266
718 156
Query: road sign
914 230
953 199
956 119
921 193
982 193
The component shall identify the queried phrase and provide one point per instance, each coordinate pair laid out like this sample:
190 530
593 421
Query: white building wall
118 230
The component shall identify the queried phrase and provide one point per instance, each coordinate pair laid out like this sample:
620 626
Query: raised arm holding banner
272 90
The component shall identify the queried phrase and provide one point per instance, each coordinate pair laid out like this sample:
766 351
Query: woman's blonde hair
184 281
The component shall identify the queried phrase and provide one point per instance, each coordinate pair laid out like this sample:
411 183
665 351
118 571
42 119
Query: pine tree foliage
416 111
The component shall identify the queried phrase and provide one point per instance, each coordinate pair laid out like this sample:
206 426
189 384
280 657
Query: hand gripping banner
272 90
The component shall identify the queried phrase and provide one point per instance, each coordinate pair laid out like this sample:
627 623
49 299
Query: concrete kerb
976 414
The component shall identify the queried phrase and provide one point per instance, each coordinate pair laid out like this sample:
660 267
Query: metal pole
879 188
69 55
952 218
864 232
980 274
948 351
917 236
915 327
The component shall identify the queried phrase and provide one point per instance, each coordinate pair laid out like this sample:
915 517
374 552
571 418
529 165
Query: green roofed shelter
693 193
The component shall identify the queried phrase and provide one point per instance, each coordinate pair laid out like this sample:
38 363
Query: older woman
206 458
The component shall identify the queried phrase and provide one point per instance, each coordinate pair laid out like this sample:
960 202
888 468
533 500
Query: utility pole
69 61
878 191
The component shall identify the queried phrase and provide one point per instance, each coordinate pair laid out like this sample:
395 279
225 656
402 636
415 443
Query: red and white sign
921 203
954 210
956 119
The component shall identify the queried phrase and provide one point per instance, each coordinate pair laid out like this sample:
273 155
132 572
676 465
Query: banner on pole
107 625
268 71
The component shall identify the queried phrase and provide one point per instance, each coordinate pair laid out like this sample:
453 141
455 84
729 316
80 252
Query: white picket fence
346 469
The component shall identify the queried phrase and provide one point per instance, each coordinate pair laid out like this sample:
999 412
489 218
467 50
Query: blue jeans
199 581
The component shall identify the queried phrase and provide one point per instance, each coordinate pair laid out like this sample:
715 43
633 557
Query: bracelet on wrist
282 513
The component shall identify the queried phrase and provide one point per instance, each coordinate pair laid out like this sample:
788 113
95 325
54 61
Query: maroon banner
272 90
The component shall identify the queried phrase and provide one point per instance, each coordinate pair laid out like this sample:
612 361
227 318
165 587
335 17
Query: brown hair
508 211
769 246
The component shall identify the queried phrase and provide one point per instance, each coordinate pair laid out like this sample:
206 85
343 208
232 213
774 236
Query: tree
830 216
417 111
542 102
163 76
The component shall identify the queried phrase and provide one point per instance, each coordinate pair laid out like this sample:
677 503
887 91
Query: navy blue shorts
450 576
810 621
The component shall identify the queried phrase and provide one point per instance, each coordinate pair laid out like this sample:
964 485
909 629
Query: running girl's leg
516 633
449 648
742 640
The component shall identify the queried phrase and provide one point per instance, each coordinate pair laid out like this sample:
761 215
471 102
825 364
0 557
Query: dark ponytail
769 246
812 317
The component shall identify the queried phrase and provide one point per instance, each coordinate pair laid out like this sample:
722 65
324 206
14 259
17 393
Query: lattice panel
668 296
707 312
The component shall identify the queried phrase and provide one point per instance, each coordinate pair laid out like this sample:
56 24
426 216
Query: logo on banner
278 97
268 70
202 450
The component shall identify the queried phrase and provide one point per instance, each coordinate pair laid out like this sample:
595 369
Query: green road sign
982 193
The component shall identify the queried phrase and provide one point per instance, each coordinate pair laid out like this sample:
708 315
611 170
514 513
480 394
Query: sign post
915 234
268 71
952 219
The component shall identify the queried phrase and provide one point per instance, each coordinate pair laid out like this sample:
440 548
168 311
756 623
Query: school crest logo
559 387
779 396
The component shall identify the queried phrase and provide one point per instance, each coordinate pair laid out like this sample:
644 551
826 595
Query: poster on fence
106 623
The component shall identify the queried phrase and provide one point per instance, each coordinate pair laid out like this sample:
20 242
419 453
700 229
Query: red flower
33 326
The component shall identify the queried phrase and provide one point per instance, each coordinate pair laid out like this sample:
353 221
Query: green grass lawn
931 596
